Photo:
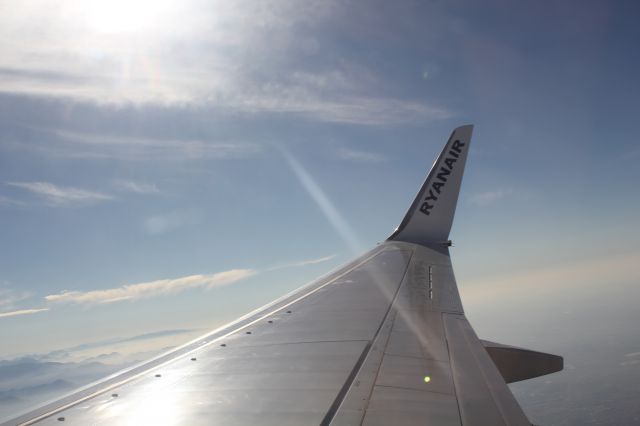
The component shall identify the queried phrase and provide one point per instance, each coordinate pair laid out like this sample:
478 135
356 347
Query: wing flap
483 396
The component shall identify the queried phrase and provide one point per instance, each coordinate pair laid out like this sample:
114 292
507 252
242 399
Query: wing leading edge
382 340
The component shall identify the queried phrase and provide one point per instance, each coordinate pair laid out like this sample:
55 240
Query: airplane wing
382 340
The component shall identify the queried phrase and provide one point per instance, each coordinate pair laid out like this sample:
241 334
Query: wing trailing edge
429 219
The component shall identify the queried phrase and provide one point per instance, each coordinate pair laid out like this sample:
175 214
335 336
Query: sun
127 16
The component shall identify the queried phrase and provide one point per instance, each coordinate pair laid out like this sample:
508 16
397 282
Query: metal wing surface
382 340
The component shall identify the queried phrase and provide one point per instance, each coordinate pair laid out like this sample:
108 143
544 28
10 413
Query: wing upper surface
285 365
354 348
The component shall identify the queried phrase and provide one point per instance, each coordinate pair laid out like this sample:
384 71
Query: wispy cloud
347 94
301 263
10 297
9 202
22 312
60 195
157 288
71 144
360 156
10 301
247 68
163 223
146 290
351 108
131 292
490 197
136 187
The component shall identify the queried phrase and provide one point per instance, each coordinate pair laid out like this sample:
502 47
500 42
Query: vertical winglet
430 216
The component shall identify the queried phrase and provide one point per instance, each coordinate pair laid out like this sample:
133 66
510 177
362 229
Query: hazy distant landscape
26 382
599 386
593 326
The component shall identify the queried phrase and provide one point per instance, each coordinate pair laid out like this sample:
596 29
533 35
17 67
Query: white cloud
150 289
136 187
360 156
157 288
22 312
59 195
162 223
129 148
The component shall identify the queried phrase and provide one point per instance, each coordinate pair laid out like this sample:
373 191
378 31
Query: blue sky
211 156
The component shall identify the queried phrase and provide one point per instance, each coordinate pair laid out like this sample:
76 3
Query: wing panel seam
455 387
354 373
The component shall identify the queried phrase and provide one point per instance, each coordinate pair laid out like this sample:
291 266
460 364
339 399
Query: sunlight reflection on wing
155 404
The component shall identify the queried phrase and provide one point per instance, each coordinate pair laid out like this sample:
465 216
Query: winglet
430 216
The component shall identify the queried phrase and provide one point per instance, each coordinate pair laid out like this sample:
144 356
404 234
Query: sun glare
127 16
